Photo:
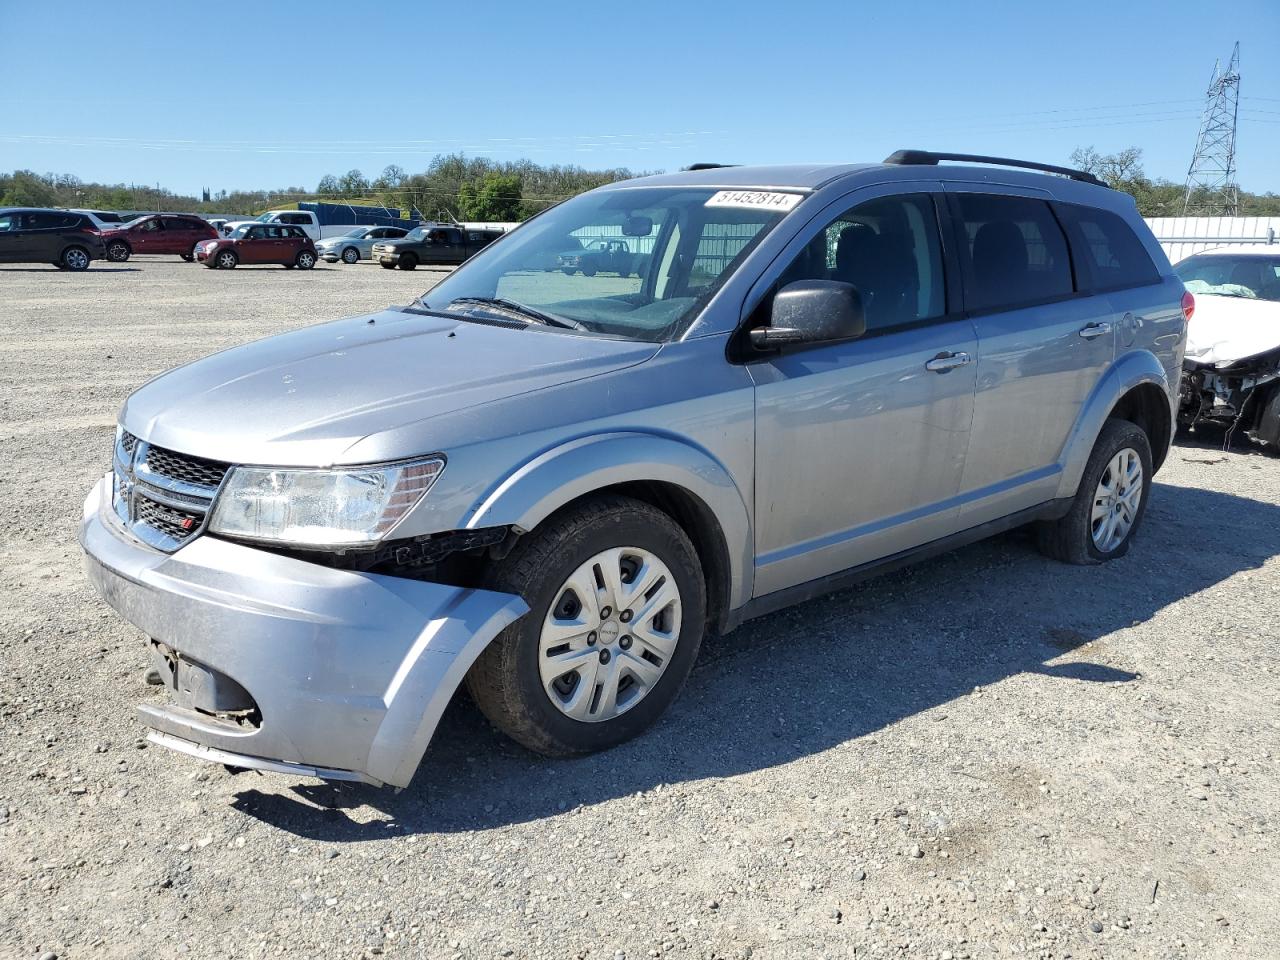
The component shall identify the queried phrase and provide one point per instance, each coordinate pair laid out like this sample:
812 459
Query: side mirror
812 311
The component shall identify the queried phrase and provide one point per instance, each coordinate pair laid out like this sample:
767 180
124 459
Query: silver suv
550 486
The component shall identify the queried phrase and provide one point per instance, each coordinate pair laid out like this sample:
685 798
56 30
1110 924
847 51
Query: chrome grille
161 496
180 466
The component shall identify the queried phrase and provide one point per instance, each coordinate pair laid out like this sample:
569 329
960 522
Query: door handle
948 361
1095 330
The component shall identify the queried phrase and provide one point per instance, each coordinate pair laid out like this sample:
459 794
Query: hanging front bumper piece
275 663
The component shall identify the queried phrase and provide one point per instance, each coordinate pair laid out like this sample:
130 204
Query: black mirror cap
817 311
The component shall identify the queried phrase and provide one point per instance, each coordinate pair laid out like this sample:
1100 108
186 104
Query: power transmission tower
1211 179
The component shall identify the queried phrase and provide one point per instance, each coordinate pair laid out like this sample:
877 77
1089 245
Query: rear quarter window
1108 249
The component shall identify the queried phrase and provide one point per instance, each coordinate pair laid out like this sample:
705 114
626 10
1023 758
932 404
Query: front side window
889 249
1016 252
637 263
9 222
1247 276
256 233
149 226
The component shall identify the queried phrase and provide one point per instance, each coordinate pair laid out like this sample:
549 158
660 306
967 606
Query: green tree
27 189
494 197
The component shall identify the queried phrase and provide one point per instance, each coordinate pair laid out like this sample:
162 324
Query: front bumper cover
350 672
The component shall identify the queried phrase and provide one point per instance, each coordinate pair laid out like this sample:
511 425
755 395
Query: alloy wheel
609 635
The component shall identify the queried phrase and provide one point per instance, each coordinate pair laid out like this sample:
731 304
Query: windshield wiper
511 306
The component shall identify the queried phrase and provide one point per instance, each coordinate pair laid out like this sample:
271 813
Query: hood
304 398
1226 329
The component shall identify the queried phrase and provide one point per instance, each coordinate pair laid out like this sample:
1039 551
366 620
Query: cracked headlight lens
321 508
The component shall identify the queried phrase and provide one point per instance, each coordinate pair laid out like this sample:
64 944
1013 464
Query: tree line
452 187
474 188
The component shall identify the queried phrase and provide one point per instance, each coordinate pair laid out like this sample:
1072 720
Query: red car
159 233
256 243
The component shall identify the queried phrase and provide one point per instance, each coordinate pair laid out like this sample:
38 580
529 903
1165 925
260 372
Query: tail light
1188 305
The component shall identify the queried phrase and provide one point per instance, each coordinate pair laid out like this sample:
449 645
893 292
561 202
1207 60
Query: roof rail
929 158
709 166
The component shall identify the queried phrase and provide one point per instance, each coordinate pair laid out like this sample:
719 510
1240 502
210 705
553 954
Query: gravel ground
990 754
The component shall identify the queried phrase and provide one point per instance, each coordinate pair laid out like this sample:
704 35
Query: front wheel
226 260
306 260
387 266
1110 501
118 251
75 258
408 261
351 255
617 611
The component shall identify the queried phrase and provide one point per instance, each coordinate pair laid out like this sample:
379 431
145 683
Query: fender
579 467
1129 371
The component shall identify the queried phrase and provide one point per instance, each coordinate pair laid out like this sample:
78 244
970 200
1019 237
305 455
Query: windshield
632 262
240 231
1250 276
265 218
357 232
418 233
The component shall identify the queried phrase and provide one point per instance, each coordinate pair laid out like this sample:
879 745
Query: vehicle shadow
833 671
1214 436
54 271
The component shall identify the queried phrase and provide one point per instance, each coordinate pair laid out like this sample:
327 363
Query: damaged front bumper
1239 393
279 664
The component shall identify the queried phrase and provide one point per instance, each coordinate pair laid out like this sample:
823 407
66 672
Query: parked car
305 219
553 490
103 220
357 244
432 245
255 244
67 240
1231 373
599 256
158 234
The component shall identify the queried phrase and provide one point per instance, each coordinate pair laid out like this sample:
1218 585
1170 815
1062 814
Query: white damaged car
1231 370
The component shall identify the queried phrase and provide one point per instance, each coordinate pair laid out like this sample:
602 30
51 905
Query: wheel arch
683 480
1136 385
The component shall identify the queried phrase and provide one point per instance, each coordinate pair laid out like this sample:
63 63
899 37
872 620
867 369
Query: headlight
346 505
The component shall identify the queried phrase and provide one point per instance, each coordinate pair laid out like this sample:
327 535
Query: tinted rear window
1016 251
53 221
1109 249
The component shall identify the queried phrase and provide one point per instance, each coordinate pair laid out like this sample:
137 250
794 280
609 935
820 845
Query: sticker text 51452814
755 199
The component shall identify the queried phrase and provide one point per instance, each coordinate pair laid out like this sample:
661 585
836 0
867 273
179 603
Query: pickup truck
306 219
432 245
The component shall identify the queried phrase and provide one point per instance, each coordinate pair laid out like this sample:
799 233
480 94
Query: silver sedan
357 244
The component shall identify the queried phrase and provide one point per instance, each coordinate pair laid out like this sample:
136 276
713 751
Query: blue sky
267 94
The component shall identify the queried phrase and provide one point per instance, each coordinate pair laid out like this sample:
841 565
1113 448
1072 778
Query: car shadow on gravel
830 672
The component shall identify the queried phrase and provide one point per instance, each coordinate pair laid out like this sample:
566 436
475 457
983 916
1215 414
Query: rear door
177 235
1043 344
860 445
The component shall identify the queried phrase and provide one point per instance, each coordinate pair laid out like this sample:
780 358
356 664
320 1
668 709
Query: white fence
1183 236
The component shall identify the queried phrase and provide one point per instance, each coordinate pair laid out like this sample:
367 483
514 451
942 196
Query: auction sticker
755 199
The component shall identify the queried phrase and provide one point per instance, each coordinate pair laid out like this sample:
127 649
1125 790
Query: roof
1236 249
802 176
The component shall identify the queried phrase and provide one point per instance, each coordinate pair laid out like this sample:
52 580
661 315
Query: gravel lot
990 754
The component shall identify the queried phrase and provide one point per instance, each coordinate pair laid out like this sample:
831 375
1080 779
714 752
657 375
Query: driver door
860 445
254 246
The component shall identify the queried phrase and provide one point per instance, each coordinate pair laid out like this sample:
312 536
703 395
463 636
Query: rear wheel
118 251
618 607
305 261
226 260
1110 501
408 261
351 255
75 258
191 255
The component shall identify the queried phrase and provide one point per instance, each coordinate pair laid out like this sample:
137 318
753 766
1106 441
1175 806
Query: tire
408 261
351 255
118 251
386 266
75 259
507 681
59 265
226 260
190 256
568 271
1075 538
589 271
305 260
